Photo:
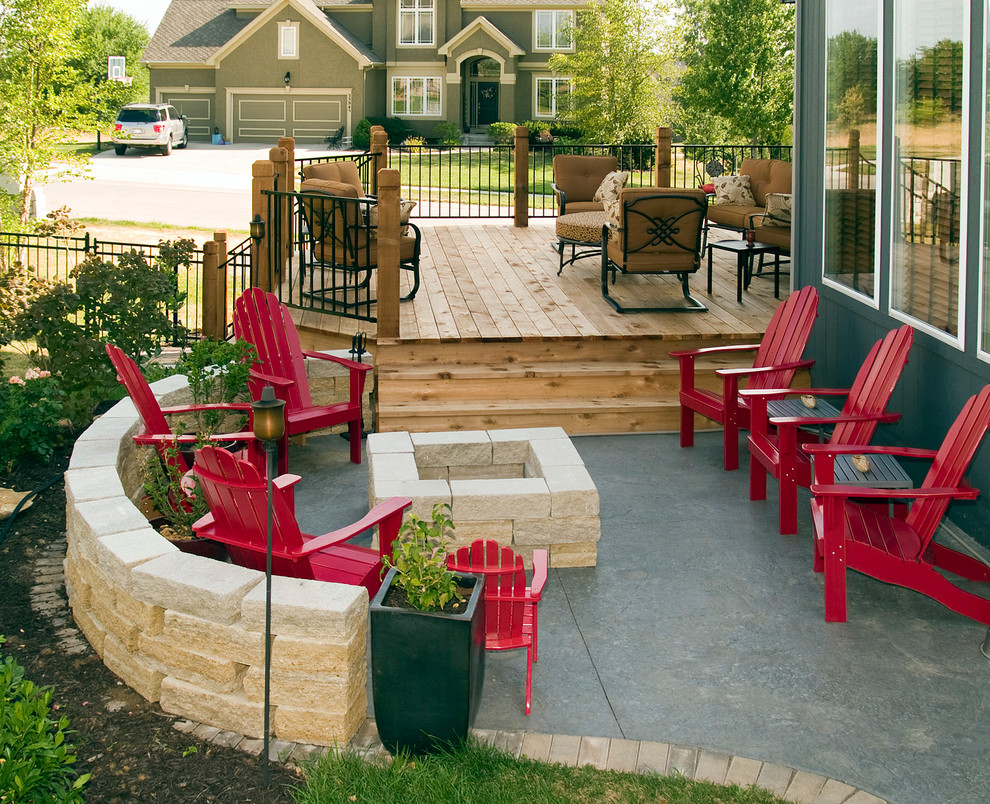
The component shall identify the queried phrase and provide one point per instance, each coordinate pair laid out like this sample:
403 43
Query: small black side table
744 263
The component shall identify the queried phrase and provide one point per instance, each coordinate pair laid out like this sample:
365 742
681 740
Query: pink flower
15 380
31 374
44 373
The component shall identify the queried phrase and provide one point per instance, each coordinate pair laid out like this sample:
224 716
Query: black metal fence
477 181
53 259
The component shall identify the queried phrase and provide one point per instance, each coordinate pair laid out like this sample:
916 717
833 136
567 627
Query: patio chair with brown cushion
344 239
576 178
344 171
658 232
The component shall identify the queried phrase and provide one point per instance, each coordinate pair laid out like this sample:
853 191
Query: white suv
150 125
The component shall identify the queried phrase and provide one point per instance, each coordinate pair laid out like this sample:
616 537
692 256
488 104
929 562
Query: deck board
488 280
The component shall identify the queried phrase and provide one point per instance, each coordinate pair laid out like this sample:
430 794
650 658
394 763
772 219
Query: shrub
36 764
130 302
502 133
395 127
174 493
447 133
30 414
414 143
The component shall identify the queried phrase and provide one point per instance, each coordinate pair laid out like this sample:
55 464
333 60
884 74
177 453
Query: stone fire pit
527 488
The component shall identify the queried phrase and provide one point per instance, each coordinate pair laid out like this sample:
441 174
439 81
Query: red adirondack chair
898 548
236 492
510 606
778 356
156 431
773 443
260 319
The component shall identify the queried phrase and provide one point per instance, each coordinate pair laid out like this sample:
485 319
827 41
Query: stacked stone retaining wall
188 631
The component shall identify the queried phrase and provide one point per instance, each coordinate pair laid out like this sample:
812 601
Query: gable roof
204 31
485 26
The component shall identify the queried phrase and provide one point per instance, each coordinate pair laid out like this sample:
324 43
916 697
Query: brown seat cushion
635 247
345 171
317 212
767 176
365 253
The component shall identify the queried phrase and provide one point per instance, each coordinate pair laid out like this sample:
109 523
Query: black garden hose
17 509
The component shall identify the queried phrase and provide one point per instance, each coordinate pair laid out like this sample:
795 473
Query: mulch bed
128 745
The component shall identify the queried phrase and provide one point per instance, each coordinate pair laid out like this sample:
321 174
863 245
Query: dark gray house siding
940 376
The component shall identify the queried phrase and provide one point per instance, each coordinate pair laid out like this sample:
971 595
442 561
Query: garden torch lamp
268 425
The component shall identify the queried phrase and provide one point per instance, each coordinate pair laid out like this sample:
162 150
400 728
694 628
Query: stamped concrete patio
701 627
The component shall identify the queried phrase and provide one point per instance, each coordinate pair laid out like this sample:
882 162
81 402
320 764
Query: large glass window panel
416 96
985 313
929 56
549 92
852 117
416 22
553 29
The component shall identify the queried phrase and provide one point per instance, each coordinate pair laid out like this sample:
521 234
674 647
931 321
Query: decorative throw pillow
405 209
734 190
613 211
778 211
608 190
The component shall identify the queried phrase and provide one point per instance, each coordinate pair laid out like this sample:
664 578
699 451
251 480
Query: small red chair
778 357
510 606
237 495
263 321
899 548
774 443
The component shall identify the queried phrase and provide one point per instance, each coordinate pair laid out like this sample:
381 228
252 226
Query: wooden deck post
379 156
389 189
289 143
220 315
211 295
662 160
520 185
854 159
262 178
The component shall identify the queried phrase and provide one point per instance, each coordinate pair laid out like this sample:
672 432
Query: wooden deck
495 338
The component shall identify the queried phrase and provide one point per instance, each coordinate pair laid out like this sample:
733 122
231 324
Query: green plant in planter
165 483
218 373
419 556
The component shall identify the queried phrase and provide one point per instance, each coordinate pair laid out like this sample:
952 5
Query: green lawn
480 774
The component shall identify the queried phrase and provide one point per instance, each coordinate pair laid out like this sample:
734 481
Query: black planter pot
427 672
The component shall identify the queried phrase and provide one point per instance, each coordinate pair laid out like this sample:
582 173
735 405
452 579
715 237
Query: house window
553 30
929 130
550 94
416 96
416 22
852 102
288 40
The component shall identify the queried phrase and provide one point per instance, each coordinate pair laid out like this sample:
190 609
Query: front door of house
487 102
483 76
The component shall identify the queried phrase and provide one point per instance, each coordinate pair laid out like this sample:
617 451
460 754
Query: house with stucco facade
258 70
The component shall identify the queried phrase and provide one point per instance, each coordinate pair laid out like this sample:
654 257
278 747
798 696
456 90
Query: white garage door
308 118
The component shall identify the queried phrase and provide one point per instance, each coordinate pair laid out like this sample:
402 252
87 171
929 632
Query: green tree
39 95
622 70
105 32
739 60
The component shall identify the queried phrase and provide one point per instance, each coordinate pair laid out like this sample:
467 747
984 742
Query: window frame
556 30
555 81
417 10
283 52
408 80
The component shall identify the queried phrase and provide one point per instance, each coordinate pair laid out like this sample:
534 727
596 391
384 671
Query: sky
149 12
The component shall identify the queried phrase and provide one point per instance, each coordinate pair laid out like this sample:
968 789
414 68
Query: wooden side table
745 255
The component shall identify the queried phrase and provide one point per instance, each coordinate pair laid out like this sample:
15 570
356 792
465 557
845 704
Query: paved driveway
202 185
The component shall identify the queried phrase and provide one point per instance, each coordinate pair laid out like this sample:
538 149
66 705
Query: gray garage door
307 118
198 110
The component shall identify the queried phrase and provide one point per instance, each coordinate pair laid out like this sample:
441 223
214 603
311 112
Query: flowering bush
30 414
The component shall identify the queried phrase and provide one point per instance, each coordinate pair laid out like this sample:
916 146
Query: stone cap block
423 493
554 452
97 518
95 452
513 445
118 553
512 498
94 483
572 491
458 448
195 585
124 409
389 442
396 466
318 609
